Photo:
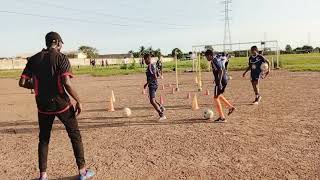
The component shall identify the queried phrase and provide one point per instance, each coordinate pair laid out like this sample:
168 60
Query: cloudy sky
119 26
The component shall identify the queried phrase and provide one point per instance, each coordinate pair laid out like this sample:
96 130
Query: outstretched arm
268 62
245 72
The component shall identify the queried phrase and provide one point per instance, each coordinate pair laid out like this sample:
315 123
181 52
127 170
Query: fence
10 64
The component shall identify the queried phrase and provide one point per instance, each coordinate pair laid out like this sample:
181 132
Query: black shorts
217 91
152 92
255 76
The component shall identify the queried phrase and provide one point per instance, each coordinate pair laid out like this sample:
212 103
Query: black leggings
70 122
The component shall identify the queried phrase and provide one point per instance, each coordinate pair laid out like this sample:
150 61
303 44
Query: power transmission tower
227 32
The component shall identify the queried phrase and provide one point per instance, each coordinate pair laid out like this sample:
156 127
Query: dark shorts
255 76
217 91
152 91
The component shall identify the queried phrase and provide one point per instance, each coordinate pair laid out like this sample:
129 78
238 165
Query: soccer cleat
220 120
231 110
255 102
89 174
259 98
162 118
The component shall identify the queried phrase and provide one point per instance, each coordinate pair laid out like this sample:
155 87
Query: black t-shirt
218 64
46 69
151 73
255 63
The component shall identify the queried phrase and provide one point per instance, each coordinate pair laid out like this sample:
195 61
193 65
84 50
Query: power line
60 18
72 19
106 14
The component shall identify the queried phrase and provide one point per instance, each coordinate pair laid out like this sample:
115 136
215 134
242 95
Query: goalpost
270 49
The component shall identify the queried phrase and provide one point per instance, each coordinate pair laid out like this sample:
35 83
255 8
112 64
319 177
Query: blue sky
119 26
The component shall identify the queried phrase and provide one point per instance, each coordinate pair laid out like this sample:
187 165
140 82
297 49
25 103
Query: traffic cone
207 92
111 107
189 96
195 105
112 95
172 92
161 100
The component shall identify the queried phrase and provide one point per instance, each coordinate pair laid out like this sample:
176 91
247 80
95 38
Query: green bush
124 66
133 65
204 65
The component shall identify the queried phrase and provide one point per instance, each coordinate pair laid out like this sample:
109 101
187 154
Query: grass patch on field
10 73
103 71
291 62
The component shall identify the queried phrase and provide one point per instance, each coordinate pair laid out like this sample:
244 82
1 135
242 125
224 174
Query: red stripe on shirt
25 76
67 74
57 112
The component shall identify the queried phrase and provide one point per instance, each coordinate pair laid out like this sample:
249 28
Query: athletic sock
219 108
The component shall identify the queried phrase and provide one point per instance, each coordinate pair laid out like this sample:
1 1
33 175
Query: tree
288 49
307 49
178 52
208 47
316 50
142 50
149 50
157 53
90 52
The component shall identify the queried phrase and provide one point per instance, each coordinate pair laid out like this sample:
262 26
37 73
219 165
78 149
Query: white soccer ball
208 114
127 112
264 67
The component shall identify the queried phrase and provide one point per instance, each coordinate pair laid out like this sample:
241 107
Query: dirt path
279 139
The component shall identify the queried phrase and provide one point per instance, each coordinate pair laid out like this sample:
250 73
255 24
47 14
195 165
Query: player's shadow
243 104
5 94
109 118
93 102
144 123
64 178
18 123
99 125
176 107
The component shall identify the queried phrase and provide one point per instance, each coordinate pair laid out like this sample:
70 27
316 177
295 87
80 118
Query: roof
115 56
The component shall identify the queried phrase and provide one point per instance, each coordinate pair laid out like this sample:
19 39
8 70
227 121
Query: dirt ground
278 139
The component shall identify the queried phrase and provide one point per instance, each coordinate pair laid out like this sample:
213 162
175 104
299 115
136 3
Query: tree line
300 50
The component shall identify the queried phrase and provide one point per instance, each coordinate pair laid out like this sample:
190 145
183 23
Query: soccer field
291 62
279 139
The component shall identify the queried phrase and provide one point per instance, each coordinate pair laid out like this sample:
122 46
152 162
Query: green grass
291 62
10 73
103 71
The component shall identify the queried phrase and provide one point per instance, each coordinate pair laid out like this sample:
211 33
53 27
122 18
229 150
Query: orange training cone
195 105
111 107
161 100
112 95
207 92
